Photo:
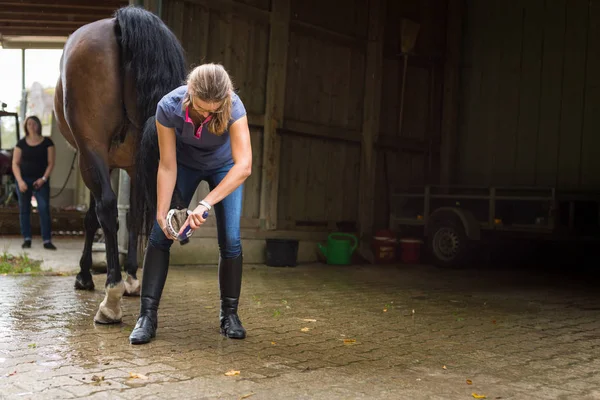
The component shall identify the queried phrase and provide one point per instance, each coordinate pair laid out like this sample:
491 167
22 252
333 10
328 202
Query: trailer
453 220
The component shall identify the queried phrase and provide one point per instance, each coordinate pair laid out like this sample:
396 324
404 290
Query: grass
10 264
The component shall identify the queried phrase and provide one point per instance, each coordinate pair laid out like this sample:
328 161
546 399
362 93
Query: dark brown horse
113 72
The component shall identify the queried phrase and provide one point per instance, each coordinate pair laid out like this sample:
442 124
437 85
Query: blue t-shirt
198 150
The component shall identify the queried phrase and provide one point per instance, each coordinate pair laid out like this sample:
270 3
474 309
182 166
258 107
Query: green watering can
339 251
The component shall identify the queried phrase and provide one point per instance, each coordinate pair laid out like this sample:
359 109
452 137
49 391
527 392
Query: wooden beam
34 31
328 34
236 8
449 132
320 131
370 129
380 141
24 13
408 144
65 4
275 98
45 23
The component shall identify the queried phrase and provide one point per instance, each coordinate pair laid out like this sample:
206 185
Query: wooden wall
237 36
529 111
320 123
408 155
324 94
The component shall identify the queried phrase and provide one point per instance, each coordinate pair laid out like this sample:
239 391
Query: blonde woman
203 134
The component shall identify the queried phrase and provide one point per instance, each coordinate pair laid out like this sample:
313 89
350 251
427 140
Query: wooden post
275 98
451 90
370 127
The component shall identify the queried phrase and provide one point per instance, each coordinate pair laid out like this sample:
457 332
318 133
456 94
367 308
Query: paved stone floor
314 332
64 260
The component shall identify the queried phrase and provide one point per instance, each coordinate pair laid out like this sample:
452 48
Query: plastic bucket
384 247
282 252
410 251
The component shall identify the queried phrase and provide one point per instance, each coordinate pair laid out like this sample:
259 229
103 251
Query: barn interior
373 117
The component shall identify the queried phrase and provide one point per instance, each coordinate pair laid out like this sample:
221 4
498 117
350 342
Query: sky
40 65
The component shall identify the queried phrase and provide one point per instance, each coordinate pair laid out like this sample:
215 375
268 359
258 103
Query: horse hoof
110 311
83 284
104 317
132 286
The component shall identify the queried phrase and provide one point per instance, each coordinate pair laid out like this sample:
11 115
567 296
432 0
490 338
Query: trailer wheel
448 243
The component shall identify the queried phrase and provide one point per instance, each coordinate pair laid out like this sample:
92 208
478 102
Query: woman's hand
23 186
38 183
195 219
162 222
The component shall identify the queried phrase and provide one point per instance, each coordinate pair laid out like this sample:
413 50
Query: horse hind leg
84 280
96 174
132 284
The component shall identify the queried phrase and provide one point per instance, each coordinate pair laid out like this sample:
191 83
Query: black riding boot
230 282
156 266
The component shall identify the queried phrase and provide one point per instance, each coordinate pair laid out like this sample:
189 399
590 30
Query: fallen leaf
309 320
246 396
305 329
478 396
273 343
469 382
137 376
444 367
385 310
349 341
32 346
494 321
232 373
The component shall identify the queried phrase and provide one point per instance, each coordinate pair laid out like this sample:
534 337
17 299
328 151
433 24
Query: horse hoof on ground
110 311
84 283
132 286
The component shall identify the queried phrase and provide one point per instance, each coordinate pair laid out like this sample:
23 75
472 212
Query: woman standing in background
32 164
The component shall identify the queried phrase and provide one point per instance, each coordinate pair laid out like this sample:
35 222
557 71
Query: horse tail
151 54
144 192
154 58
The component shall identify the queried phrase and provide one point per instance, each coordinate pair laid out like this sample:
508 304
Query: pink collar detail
199 130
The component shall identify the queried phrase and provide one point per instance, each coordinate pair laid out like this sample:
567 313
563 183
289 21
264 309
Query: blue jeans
228 211
42 195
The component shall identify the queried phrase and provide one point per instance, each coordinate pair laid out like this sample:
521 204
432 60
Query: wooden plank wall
530 94
320 135
320 144
410 156
237 37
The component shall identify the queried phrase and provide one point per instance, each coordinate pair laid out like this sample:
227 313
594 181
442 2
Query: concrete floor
314 332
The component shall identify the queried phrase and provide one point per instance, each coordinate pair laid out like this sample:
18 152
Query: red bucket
384 247
410 250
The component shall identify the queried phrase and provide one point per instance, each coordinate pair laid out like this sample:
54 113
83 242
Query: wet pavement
63 260
314 332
